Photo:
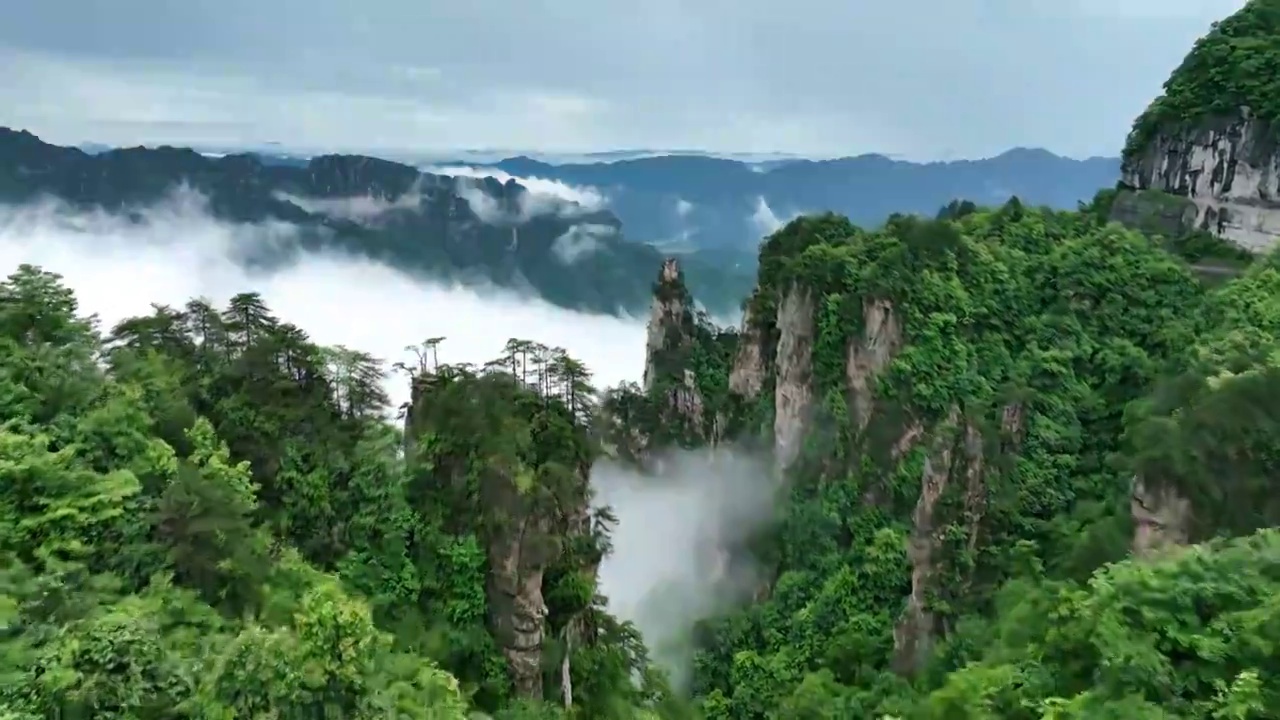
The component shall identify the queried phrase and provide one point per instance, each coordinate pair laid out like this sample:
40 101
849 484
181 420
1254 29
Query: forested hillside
1024 462
205 515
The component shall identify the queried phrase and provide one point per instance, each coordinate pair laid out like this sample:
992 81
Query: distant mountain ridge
464 229
717 202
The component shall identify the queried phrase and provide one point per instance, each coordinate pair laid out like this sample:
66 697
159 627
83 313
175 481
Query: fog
678 548
669 565
174 251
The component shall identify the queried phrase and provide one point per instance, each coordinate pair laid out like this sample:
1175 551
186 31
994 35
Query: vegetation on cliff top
1236 64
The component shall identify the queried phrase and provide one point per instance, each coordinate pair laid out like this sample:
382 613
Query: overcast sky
921 78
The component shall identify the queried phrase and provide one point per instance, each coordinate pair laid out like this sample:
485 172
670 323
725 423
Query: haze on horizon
918 79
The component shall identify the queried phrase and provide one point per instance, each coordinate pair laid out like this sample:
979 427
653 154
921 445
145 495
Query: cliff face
920 390
793 371
1229 169
1211 136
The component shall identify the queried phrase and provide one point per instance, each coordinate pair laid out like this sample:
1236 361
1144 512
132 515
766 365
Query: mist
673 561
173 251
679 545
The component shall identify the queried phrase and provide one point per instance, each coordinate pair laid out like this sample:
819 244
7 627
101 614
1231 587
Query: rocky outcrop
672 334
957 453
869 354
1161 518
793 391
497 491
914 632
517 611
1229 170
747 376
665 330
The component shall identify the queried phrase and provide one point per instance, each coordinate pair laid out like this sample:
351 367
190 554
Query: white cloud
674 561
579 241
176 252
764 219
357 208
683 207
545 196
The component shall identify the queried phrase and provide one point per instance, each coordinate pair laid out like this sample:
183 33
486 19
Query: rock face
748 374
793 392
869 354
666 320
955 454
1160 518
518 560
1229 168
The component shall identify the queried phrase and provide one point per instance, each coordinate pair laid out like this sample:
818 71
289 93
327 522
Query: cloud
358 208
174 251
544 196
683 208
678 544
763 219
580 240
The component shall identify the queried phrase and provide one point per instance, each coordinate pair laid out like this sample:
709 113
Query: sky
923 79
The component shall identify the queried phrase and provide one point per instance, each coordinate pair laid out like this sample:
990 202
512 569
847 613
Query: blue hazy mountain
460 229
709 201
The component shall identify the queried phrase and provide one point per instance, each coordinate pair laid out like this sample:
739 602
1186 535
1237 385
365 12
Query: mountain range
677 201
469 230
496 223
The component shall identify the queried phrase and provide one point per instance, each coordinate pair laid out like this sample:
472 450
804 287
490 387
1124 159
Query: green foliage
1050 338
205 515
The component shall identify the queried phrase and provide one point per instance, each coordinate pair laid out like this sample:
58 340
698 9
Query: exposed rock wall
671 337
1160 518
748 374
517 611
1230 170
793 392
869 354
957 454
913 635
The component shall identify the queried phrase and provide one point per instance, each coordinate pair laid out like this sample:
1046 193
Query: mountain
1011 463
459 229
1210 139
705 201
